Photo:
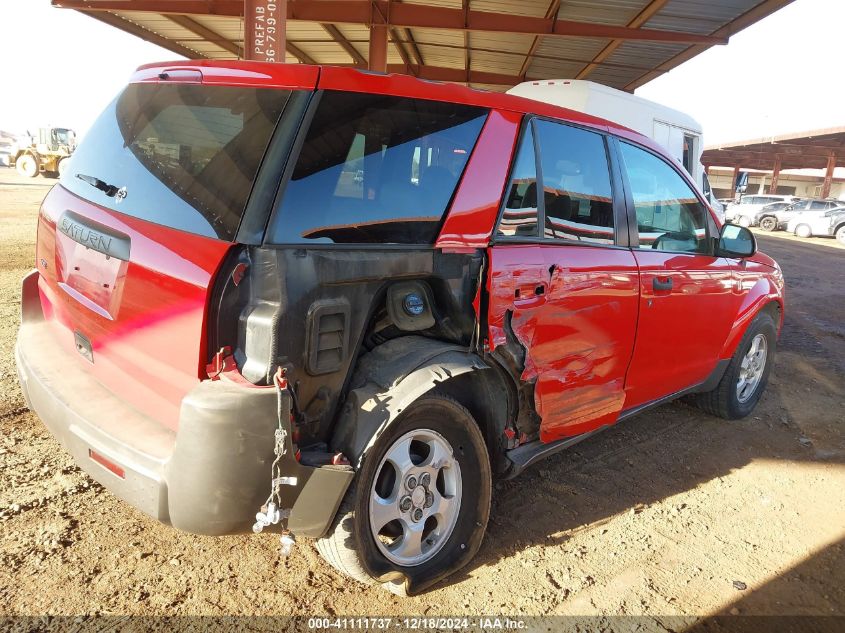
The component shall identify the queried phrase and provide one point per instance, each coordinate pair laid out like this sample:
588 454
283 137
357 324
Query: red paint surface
578 334
760 284
147 328
598 338
474 211
249 73
681 331
255 74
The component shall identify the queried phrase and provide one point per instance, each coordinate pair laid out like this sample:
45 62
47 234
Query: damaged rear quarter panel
577 335
287 288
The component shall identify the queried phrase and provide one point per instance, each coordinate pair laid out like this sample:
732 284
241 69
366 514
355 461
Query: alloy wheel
415 498
752 368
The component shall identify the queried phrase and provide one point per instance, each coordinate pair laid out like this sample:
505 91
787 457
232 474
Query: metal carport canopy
817 149
490 44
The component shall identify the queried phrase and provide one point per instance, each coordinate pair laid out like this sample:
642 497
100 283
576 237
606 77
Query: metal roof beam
345 44
300 54
144 34
467 55
558 58
405 16
807 152
651 9
208 35
765 8
415 51
397 44
551 12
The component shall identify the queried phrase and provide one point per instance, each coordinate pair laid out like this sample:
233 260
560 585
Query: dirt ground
671 513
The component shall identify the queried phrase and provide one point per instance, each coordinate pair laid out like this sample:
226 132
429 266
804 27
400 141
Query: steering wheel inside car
673 241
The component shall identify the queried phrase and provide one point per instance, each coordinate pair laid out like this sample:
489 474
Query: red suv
336 303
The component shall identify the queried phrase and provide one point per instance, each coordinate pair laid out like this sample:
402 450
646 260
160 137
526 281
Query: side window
376 169
816 205
576 184
519 217
669 215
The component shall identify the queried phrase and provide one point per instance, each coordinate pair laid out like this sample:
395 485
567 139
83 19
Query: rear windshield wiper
105 187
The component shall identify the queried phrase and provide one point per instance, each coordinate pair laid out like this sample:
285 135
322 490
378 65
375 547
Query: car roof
264 74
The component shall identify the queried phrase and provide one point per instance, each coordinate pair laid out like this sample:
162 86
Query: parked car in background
837 224
745 212
817 222
363 297
808 205
774 216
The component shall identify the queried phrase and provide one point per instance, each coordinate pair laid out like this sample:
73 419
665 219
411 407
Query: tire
840 235
768 223
803 230
725 401
459 495
744 221
27 166
61 167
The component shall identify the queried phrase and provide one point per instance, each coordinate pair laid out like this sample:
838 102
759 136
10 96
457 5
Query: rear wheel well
486 396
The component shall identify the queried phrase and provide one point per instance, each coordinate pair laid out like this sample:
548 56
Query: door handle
663 284
530 296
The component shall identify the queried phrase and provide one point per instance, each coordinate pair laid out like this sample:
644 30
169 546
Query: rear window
180 155
376 169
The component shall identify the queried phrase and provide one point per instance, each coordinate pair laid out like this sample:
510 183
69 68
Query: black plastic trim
524 456
94 235
290 164
629 237
276 157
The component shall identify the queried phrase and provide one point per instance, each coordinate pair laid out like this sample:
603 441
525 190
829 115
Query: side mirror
736 242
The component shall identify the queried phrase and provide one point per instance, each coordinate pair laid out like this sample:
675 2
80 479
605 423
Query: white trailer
679 133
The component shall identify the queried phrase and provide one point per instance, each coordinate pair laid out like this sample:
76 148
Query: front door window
670 216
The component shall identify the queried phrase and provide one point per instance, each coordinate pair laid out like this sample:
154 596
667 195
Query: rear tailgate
130 240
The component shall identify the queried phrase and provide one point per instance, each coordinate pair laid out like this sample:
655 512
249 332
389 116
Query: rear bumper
209 477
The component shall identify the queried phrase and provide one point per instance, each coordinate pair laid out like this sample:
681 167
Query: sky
65 67
783 74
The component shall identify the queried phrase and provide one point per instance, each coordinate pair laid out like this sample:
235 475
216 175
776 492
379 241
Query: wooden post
264 30
773 188
828 177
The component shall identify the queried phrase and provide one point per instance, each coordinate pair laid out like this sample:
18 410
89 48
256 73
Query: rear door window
180 155
519 217
576 184
376 169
